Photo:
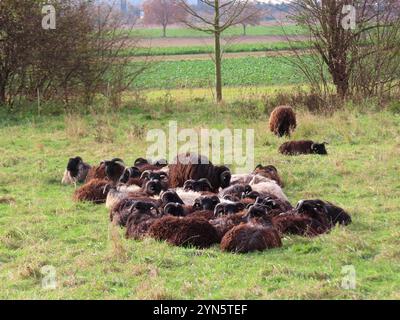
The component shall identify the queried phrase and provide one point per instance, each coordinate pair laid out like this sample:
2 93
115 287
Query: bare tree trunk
164 31
244 28
2 92
217 38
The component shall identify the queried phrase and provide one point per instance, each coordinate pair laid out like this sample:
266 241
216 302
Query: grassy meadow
41 226
262 30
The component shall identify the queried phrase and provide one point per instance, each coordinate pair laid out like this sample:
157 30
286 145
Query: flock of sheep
195 203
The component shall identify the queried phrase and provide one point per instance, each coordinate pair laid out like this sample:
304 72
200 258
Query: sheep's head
129 173
227 208
170 196
206 203
198 185
174 209
319 148
259 213
142 210
267 202
269 171
140 161
311 207
114 168
252 195
154 181
224 176
73 165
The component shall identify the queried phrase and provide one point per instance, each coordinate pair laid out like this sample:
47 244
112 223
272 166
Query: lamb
192 166
186 231
76 171
303 147
95 190
269 172
257 234
282 121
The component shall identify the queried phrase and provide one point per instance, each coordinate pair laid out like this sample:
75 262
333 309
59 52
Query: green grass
233 31
236 72
242 47
41 225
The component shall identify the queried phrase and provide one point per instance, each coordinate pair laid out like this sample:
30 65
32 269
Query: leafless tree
219 16
162 12
340 47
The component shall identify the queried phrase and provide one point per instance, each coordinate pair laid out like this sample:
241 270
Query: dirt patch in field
186 42
228 55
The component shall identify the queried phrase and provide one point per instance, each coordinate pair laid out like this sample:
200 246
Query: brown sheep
269 172
96 172
141 217
225 223
95 190
256 234
194 167
282 121
250 237
187 231
297 224
121 211
303 147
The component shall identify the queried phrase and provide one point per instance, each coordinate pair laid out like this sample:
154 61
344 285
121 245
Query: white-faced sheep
76 171
282 121
303 147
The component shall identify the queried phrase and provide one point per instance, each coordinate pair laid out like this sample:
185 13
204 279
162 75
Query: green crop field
232 31
40 225
236 72
238 47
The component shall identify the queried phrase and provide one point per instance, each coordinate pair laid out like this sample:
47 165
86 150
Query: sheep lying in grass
186 231
256 234
282 121
194 167
76 171
303 147
269 172
95 191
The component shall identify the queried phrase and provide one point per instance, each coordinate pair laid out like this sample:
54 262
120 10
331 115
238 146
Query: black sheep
303 147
